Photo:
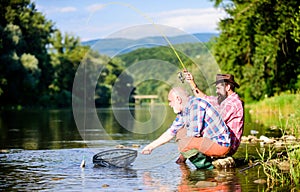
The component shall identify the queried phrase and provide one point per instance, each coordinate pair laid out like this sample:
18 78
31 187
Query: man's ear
179 99
227 87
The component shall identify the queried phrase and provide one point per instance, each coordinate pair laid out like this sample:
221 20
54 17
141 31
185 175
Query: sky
94 19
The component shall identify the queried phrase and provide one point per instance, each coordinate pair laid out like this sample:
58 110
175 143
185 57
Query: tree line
259 43
38 63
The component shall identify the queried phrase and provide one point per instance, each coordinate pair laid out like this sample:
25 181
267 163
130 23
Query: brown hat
226 78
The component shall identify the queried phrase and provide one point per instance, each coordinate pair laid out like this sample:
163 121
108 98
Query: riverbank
279 155
280 112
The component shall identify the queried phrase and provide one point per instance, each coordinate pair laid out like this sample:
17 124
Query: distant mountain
116 46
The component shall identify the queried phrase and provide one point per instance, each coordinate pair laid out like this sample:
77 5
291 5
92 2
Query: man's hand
190 79
147 150
188 76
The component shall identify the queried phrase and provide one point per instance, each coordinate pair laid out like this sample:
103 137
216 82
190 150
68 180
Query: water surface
41 150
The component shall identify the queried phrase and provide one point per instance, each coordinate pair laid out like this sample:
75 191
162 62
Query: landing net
122 158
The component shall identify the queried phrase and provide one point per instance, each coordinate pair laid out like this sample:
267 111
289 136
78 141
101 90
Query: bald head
177 97
178 91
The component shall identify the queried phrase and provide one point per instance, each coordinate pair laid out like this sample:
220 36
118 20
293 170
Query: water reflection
197 180
52 129
46 150
140 122
37 129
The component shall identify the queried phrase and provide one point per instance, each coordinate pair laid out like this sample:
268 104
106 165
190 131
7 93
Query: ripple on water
59 170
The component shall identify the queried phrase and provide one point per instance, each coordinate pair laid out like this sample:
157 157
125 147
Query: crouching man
199 130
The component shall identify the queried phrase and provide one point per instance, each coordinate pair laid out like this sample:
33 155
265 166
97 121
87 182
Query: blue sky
93 19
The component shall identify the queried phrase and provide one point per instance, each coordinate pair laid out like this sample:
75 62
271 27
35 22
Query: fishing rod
180 74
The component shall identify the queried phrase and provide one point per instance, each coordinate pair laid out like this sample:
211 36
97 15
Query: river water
41 150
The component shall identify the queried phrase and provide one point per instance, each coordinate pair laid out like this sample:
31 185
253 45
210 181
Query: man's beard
176 111
221 98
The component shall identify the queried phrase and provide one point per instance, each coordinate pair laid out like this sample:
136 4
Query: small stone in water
206 184
56 178
105 185
135 145
4 151
120 146
253 132
284 166
266 139
260 181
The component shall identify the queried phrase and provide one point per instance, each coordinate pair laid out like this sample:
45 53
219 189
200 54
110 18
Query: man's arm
197 92
164 138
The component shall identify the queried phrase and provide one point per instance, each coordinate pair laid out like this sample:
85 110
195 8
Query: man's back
232 112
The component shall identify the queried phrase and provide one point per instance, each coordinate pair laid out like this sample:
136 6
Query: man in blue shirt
198 127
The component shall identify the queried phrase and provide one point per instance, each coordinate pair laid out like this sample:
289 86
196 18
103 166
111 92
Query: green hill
115 46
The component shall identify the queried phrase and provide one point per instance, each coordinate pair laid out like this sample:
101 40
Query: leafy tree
66 55
119 82
24 62
259 43
106 77
296 28
38 64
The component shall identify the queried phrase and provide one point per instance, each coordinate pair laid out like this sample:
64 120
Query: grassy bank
281 111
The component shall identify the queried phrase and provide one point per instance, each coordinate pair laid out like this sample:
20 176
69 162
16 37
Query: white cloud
169 22
95 7
202 20
146 30
52 10
84 19
67 9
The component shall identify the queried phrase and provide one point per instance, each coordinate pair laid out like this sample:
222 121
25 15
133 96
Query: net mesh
115 158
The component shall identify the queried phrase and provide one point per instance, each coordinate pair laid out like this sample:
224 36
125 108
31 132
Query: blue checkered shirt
201 120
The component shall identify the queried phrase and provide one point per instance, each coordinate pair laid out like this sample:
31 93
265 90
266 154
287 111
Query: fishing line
162 34
82 165
150 20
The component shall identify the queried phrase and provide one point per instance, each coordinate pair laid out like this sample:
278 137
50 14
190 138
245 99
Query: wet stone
105 185
203 184
260 181
4 151
266 140
284 166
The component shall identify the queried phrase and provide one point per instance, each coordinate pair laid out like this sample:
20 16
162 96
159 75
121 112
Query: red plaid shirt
232 112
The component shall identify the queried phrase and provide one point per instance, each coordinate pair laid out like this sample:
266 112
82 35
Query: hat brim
226 80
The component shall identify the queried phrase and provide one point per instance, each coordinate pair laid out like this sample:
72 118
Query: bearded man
227 103
205 126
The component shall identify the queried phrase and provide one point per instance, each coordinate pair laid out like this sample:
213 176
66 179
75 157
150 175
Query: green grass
281 111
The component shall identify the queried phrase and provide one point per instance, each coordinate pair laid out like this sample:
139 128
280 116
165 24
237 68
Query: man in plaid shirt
198 128
209 125
227 103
